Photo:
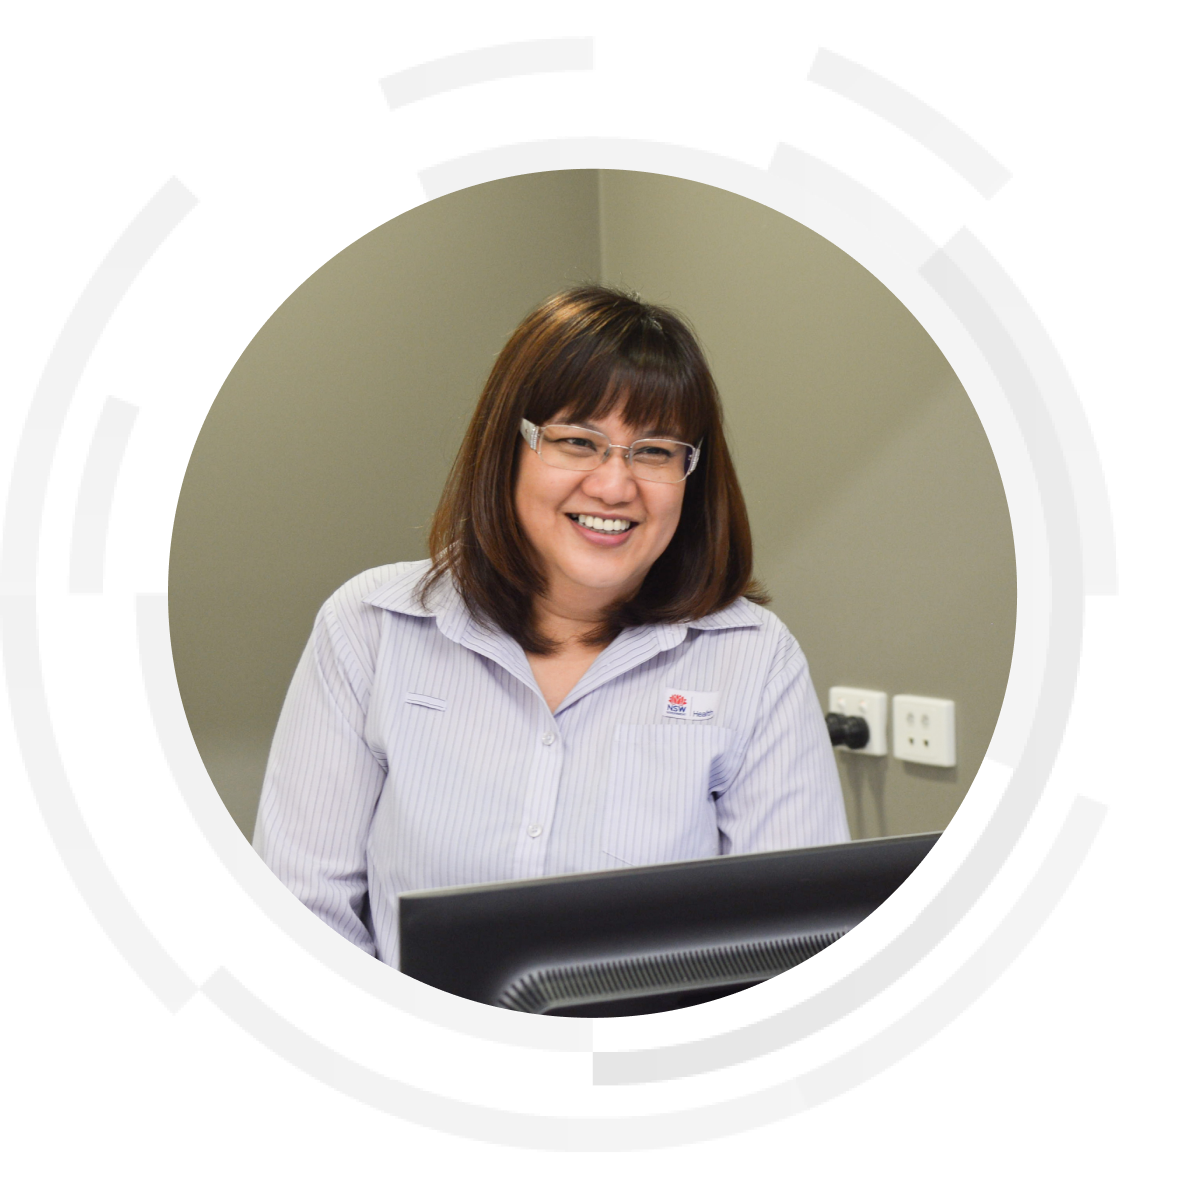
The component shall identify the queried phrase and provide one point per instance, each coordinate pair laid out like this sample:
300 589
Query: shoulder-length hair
585 353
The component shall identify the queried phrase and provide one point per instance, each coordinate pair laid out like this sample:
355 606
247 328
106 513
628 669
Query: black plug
849 730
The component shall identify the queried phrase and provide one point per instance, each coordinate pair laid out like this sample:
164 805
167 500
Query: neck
568 612
567 625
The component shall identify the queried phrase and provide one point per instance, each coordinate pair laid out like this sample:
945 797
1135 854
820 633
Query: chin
612 586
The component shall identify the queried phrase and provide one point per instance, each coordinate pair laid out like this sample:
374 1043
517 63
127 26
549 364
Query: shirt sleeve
321 785
785 792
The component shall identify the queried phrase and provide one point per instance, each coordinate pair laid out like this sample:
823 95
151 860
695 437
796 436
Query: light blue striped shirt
415 750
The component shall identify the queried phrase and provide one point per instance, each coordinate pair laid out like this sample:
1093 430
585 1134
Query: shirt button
534 831
548 738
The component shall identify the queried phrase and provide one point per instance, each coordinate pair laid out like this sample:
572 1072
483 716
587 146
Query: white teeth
602 525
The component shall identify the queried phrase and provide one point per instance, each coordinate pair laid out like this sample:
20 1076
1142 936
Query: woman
580 677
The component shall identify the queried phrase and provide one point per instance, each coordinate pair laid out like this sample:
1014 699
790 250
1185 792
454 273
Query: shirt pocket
658 806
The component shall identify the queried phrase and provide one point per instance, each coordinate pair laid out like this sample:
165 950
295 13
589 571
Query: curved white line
485 65
1048 381
593 152
593 88
100 298
946 140
238 957
97 489
659 23
940 1008
835 130
29 706
439 49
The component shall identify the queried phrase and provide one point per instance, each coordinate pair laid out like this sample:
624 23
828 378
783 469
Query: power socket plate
871 705
923 730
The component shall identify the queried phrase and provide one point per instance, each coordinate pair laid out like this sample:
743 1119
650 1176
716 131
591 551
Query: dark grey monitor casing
647 939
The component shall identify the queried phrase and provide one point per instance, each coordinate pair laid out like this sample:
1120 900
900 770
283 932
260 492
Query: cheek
665 514
537 497
531 492
672 512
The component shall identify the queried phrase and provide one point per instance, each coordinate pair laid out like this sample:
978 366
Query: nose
612 482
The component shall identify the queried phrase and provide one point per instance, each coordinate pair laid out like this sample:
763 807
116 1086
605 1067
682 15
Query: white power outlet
923 730
871 705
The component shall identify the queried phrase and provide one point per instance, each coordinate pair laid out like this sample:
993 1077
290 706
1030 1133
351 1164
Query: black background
282 133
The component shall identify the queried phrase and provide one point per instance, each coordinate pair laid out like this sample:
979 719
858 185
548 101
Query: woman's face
587 568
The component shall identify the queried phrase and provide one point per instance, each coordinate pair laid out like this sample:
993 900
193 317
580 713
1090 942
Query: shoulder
384 588
742 619
350 622
746 635
349 625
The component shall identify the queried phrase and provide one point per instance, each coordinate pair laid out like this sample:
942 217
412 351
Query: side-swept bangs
656 382
581 355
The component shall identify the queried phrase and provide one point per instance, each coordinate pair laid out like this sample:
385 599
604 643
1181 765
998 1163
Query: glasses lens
660 459
572 447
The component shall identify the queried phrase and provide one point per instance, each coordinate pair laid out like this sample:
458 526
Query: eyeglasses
575 448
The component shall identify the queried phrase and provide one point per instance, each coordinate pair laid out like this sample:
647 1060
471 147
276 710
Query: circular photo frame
722 1087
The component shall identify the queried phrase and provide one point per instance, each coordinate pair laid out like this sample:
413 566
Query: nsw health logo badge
694 706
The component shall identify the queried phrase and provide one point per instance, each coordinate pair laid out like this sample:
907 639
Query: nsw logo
694 706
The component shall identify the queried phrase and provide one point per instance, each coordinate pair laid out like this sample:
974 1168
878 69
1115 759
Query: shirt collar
455 622
444 602
399 594
741 614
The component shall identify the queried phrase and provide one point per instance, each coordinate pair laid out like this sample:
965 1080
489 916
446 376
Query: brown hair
588 352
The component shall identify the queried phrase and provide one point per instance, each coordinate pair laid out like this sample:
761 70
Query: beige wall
881 524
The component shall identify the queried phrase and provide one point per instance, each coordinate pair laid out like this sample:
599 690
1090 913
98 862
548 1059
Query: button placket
540 805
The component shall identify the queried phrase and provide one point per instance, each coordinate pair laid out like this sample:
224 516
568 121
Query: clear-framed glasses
576 448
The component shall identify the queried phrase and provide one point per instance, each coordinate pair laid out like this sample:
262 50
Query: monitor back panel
478 941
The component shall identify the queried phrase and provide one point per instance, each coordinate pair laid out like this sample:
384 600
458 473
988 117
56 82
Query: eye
571 441
654 453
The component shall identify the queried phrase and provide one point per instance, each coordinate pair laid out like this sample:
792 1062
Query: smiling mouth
609 525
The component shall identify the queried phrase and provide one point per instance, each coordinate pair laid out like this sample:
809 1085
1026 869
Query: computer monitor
647 939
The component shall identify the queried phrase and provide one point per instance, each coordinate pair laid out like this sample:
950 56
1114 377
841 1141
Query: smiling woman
580 677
